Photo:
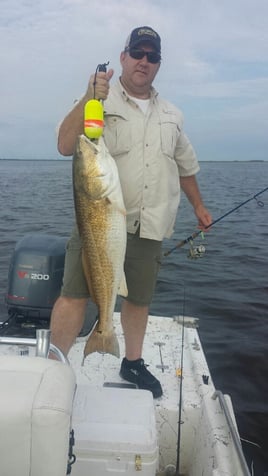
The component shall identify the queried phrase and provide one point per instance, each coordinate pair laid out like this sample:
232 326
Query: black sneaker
135 371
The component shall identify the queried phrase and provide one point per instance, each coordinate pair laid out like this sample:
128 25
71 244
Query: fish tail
103 343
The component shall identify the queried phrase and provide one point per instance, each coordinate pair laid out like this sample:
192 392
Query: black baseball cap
144 34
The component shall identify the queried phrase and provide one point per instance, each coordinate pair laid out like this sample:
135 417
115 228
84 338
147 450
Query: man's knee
68 300
69 305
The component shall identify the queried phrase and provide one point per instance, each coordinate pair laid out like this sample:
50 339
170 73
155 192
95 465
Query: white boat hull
102 417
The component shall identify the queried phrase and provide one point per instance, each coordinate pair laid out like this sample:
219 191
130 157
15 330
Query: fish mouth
85 147
83 139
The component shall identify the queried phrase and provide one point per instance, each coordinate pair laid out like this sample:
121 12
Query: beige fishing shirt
151 152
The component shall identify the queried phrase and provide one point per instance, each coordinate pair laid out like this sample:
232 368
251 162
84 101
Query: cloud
215 59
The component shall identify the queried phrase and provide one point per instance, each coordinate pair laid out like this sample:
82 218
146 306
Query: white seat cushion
36 397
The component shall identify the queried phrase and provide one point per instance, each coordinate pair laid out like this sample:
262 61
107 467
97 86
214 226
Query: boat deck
162 352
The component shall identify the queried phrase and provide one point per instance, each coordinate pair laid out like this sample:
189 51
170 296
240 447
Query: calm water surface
227 288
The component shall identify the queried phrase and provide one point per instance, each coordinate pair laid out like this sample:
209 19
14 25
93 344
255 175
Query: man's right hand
101 89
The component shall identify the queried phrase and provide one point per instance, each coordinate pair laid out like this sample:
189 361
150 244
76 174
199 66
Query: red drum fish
101 221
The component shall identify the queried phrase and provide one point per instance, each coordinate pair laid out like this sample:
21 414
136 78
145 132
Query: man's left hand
204 217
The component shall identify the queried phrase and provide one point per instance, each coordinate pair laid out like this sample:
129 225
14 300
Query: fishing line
197 233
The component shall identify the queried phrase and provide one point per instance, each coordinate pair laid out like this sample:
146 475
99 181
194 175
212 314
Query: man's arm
70 128
190 187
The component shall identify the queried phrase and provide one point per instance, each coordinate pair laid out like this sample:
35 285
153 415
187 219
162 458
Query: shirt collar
125 95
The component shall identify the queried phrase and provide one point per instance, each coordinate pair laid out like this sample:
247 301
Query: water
227 288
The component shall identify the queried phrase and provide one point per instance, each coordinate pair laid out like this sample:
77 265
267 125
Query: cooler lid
120 419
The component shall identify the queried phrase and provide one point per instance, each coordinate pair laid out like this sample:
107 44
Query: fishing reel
196 251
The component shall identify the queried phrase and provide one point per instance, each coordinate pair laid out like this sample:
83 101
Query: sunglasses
152 56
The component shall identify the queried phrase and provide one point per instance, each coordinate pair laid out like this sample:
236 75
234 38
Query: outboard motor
34 284
35 275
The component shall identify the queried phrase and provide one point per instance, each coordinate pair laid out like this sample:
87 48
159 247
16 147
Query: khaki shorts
142 263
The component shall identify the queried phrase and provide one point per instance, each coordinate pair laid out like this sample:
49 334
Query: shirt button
146 186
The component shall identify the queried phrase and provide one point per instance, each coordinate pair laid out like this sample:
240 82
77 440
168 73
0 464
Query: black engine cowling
35 275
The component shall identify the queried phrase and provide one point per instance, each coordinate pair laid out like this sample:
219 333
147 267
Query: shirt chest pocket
117 134
169 133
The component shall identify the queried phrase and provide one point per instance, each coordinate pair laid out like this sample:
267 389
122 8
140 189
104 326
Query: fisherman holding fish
155 160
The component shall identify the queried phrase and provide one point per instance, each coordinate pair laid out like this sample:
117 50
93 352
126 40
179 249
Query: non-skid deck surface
162 352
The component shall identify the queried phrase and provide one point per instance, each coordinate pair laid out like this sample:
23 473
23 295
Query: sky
214 68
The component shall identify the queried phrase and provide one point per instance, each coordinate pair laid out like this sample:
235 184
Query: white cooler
115 432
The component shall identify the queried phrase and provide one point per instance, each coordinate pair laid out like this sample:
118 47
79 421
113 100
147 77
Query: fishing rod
180 394
196 233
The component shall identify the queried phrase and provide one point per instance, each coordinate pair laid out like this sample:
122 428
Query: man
155 159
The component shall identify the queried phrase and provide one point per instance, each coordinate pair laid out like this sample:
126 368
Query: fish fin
117 205
123 291
105 344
